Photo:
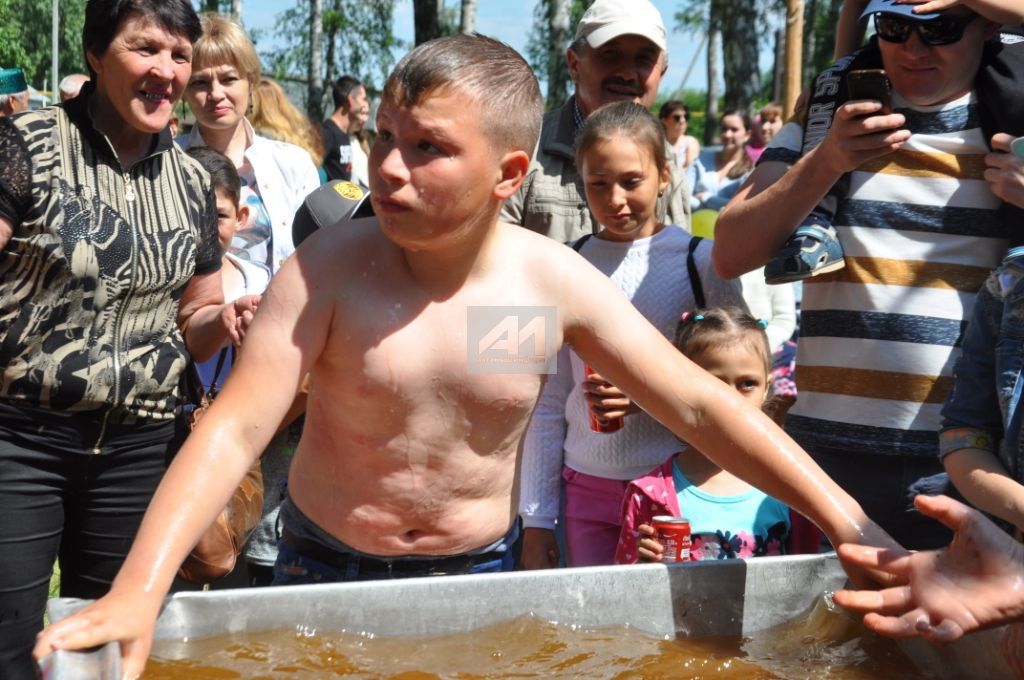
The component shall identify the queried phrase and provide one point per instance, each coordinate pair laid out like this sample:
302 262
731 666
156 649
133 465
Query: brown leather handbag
216 553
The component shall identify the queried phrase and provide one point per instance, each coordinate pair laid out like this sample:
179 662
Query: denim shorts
308 554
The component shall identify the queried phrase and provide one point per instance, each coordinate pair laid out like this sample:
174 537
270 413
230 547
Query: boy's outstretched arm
975 583
206 470
608 332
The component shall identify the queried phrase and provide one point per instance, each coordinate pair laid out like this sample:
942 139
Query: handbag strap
691 267
214 387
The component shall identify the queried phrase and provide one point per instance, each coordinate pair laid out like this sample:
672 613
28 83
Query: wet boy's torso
404 451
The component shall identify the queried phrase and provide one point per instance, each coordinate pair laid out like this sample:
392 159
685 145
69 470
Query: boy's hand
540 549
647 547
975 583
1005 171
859 134
606 400
125 618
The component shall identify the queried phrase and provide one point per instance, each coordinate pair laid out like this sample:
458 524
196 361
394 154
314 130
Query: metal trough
722 598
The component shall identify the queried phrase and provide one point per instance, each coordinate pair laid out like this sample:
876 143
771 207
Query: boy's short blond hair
224 42
488 70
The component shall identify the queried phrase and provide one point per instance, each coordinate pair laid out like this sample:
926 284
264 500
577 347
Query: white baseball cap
608 19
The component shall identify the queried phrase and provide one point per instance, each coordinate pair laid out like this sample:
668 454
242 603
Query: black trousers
60 500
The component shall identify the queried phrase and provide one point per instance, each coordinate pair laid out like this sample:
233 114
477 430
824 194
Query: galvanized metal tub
697 599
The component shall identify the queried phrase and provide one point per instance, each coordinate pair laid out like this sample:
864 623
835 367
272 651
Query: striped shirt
92 276
879 338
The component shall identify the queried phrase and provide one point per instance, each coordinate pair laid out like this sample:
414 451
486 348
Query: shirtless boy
407 453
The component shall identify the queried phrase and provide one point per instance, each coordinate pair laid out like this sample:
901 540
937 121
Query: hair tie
687 316
762 323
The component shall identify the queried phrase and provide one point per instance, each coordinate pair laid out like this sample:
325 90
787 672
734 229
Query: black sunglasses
679 117
943 30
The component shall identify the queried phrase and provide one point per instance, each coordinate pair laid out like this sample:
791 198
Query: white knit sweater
652 273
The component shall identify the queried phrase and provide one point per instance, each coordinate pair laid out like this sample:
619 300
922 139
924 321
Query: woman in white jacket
276 176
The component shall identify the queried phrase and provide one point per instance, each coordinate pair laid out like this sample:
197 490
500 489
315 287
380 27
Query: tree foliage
741 23
357 34
553 24
26 36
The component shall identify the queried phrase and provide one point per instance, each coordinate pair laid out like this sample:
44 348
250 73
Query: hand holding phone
871 84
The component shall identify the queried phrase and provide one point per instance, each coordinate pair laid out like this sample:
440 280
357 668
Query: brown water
824 644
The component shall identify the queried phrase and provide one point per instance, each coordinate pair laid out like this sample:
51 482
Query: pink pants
593 518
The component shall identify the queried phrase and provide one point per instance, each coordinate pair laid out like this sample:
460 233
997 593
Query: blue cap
12 81
890 7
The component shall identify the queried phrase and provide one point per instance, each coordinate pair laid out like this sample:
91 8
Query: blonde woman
275 116
276 176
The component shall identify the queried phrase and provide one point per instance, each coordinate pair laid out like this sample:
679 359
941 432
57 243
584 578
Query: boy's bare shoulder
544 255
332 251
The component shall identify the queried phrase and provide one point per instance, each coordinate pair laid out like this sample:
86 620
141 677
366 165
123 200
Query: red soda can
596 424
674 535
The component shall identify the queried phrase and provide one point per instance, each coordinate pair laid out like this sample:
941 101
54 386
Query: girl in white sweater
622 159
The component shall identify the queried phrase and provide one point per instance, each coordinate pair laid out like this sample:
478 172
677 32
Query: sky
510 21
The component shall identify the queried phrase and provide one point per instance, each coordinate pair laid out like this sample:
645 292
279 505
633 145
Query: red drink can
607 425
674 535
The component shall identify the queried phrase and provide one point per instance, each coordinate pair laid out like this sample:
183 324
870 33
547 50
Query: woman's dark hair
223 175
629 119
103 20
670 107
342 88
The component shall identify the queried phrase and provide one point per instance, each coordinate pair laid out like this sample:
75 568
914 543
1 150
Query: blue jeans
885 487
307 554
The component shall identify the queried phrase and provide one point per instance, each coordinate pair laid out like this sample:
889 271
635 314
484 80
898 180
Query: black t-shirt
337 152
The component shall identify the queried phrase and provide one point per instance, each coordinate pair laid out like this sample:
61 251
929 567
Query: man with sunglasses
920 228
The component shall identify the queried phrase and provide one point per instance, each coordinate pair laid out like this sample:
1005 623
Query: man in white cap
618 54
13 91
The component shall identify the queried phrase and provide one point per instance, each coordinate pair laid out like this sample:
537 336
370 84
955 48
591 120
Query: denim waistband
305 535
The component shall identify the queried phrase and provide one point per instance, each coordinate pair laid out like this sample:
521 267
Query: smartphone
871 84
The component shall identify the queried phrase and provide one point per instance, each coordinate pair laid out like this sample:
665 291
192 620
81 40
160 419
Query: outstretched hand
113 617
977 582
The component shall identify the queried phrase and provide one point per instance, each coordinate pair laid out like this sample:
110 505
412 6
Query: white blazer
285 175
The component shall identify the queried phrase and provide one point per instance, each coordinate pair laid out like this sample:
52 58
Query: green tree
820 18
26 36
554 22
357 40
740 24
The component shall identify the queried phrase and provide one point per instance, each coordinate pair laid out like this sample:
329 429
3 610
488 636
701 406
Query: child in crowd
767 122
815 247
980 441
408 462
663 271
243 282
728 517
